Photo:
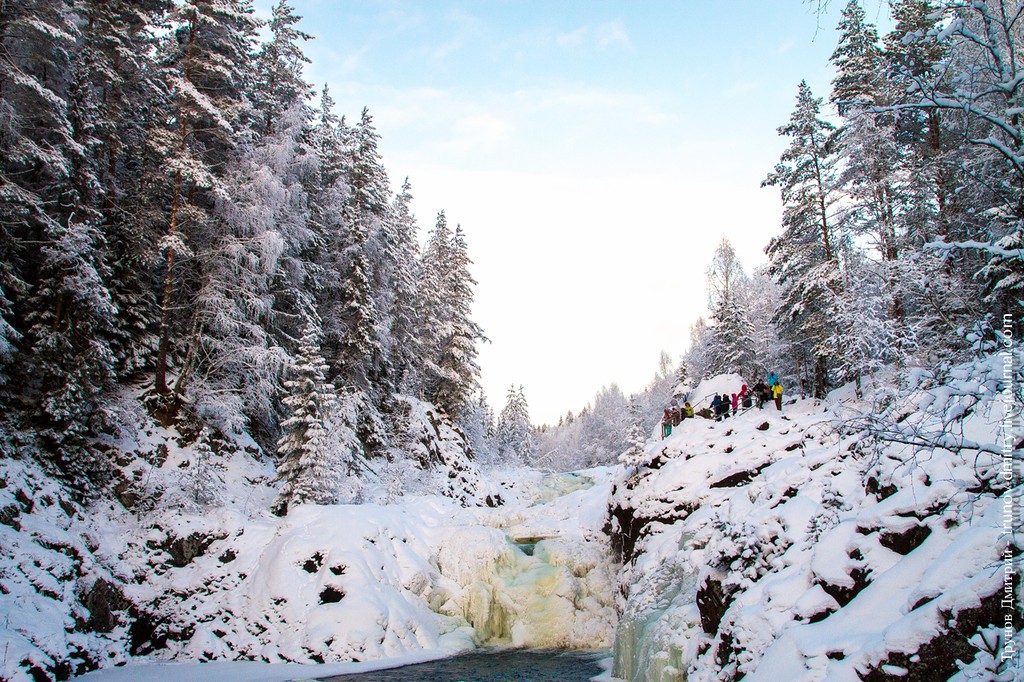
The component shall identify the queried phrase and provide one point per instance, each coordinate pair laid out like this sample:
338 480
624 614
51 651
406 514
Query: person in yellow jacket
687 411
777 394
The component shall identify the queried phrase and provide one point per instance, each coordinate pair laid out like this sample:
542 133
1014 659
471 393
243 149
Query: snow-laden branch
987 247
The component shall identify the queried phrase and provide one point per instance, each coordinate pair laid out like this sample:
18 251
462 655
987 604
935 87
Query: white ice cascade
647 640
537 575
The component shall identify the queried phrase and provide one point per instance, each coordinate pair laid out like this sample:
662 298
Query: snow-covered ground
811 545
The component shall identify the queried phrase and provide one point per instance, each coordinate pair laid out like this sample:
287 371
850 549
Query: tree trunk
820 376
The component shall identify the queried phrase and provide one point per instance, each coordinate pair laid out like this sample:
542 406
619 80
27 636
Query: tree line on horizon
177 216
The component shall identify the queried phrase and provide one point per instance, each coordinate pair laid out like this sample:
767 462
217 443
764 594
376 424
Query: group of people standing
769 388
674 416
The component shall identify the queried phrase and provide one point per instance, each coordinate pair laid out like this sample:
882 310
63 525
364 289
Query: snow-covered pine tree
279 68
988 93
636 436
405 275
877 184
316 456
732 348
459 373
120 92
514 437
858 62
431 309
804 259
54 273
208 57
910 56
872 159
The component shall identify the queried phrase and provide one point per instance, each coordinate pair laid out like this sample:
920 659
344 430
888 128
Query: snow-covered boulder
716 385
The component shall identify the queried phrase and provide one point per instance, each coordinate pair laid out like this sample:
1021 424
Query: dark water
516 665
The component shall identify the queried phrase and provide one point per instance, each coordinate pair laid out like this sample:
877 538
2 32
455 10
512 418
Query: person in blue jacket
716 407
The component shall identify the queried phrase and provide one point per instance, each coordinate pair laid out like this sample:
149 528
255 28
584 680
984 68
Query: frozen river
496 666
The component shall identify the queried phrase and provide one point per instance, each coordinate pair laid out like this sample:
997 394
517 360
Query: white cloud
611 33
604 35
573 38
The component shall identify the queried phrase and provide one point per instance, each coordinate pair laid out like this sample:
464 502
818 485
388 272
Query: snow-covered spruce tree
478 427
804 259
431 308
447 333
279 68
208 59
404 278
201 479
251 268
54 271
636 436
459 372
732 348
317 454
9 337
699 357
356 208
514 435
120 95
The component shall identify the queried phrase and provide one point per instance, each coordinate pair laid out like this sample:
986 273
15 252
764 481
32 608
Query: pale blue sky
595 152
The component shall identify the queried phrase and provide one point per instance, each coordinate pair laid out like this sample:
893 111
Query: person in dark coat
761 391
724 406
716 407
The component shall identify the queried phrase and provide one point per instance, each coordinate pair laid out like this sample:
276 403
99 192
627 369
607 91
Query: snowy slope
808 545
